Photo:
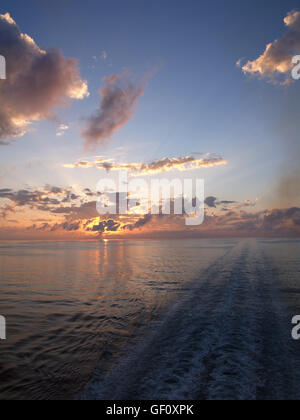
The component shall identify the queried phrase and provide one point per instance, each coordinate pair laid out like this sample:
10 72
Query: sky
189 89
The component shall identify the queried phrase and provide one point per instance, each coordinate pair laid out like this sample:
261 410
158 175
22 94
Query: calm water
150 319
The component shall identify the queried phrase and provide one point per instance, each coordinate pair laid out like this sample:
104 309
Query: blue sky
197 99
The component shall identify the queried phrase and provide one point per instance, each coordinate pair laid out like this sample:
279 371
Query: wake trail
227 339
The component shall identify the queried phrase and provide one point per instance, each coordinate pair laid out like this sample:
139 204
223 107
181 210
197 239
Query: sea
190 319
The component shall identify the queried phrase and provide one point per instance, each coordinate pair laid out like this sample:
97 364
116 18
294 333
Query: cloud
273 223
89 193
49 199
187 163
70 212
118 104
6 210
143 221
83 211
84 221
38 80
95 225
275 64
25 197
278 219
211 202
66 226
70 227
105 226
62 129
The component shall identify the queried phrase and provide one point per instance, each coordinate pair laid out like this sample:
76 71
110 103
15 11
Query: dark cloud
37 81
143 221
211 202
84 211
70 227
70 197
50 199
240 223
65 226
277 222
23 197
118 104
105 226
89 193
54 190
280 219
43 227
